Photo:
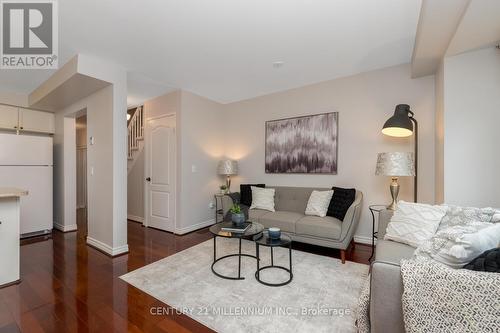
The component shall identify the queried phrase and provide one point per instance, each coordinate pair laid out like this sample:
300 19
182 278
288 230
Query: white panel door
8 117
36 121
161 173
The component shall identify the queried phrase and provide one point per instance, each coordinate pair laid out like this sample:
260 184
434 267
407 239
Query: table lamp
397 164
227 168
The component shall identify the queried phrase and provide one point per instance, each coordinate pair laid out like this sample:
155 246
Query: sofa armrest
386 289
351 221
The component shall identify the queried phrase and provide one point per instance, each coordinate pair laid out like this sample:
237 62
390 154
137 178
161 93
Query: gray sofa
290 204
386 311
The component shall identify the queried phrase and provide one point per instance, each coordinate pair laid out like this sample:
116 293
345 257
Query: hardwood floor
68 286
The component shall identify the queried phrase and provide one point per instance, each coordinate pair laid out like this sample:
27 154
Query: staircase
135 137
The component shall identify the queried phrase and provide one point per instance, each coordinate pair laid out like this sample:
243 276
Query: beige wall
203 138
200 145
471 135
364 102
14 99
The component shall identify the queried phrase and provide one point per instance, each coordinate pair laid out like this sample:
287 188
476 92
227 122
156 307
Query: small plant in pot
223 189
237 216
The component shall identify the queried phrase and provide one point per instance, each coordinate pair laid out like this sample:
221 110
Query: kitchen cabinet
36 121
22 119
9 117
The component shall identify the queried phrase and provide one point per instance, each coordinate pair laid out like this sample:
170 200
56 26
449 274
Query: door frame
147 132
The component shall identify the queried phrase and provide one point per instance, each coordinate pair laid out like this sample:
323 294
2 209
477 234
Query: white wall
135 189
439 135
364 102
471 128
107 159
64 173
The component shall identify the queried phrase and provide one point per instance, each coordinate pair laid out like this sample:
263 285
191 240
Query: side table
219 207
375 209
271 243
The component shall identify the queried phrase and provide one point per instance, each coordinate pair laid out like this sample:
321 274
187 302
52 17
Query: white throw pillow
458 245
318 203
262 198
414 223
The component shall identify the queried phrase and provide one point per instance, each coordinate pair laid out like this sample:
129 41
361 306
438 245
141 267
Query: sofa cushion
281 219
246 193
342 199
392 252
255 214
324 227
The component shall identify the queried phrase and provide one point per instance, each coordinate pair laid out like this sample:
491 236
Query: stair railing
135 131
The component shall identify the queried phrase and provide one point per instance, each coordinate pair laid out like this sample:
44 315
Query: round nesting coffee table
254 231
285 240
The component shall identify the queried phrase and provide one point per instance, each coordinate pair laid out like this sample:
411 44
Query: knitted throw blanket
437 298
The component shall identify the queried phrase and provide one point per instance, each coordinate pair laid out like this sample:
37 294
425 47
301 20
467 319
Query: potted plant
237 215
223 189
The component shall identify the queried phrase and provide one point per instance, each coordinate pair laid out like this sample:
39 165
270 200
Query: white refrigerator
26 162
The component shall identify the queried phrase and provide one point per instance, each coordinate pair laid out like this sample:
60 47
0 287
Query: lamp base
394 187
228 184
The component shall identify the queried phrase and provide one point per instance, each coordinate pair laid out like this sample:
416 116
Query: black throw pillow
489 261
342 199
246 193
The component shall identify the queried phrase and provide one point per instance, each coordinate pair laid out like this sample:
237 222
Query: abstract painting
305 144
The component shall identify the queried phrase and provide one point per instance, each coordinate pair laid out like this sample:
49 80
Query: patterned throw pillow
462 216
262 198
318 203
414 223
464 233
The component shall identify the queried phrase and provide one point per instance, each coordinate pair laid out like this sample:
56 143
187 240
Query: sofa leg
342 256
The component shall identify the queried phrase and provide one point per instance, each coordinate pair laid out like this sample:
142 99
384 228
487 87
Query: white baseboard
185 230
65 228
135 218
364 240
112 251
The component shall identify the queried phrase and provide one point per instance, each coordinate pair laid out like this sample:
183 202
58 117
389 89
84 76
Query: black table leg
289 270
239 261
258 259
215 249
373 235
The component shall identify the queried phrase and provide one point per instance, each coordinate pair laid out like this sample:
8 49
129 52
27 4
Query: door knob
148 179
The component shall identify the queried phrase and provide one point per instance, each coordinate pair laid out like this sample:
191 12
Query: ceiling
224 49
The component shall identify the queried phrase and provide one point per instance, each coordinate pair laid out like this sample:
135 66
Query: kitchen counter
7 192
10 208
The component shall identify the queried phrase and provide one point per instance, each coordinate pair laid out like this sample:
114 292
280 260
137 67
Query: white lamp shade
227 167
397 164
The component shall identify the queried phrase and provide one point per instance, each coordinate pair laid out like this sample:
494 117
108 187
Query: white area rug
322 296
